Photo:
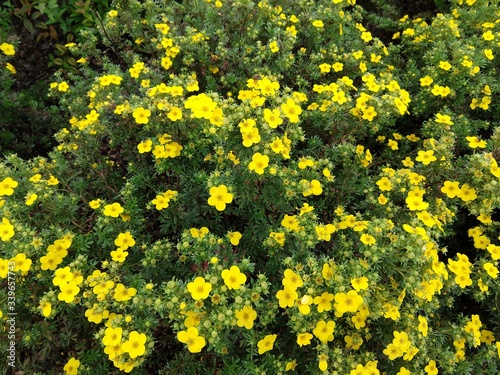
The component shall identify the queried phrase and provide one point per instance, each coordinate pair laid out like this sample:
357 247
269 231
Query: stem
98 17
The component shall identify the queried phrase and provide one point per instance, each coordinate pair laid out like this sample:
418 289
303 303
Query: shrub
28 118
262 188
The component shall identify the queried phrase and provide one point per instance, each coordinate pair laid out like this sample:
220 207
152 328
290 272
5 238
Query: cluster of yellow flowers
8 50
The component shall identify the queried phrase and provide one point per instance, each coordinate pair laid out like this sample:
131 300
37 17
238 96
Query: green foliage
28 120
263 188
51 18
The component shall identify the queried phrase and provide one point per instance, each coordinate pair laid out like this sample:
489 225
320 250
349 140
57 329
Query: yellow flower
112 336
267 343
474 142
233 278
96 203
327 272
175 114
71 367
62 276
290 366
401 341
324 330
313 187
324 68
114 79
46 308
291 279
338 67
305 209
324 302
103 287
7 186
272 117
287 297
323 358
31 198
7 49
246 317
442 91
6 230
384 184
124 241
491 270
199 288
445 65
259 163
393 352
234 238
68 292
431 368
113 210
219 197
426 157
410 353
467 193
426 218
145 146
4 268
318 23
423 327
324 232
10 68
304 303
487 337
347 302
50 261
163 27
291 110
63 86
122 293
443 119
368 239
141 115
369 113
451 188
22 263
382 199
52 181
304 338
488 35
134 346
199 233
279 237
273 46
391 311
190 337
250 137
366 36
359 283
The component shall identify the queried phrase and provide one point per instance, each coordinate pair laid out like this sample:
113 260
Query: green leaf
28 25
41 25
41 7
62 49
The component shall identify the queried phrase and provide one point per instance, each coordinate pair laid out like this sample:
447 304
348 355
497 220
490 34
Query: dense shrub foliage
28 118
262 187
